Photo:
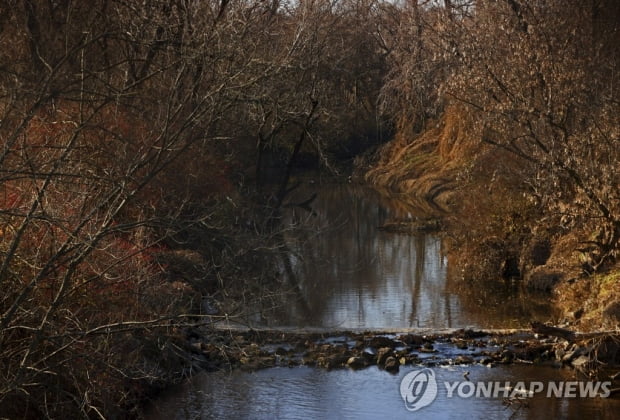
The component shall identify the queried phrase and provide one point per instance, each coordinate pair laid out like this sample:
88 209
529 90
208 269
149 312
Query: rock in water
382 355
355 362
391 364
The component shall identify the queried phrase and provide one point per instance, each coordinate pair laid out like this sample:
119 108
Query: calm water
308 393
349 274
352 275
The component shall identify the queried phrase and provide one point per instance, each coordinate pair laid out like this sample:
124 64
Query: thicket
137 140
134 135
537 84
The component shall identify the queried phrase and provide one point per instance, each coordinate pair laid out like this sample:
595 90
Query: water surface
352 275
309 393
348 274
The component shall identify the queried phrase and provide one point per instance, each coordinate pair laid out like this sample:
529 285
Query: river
350 275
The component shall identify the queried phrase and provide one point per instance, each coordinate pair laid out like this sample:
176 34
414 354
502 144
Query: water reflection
350 274
304 393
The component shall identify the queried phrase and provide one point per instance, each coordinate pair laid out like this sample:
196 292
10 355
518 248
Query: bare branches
125 132
526 71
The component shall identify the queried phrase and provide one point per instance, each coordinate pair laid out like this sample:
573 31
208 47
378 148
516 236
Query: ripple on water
308 393
350 275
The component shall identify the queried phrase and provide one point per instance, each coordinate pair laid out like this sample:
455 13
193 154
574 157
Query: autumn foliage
533 84
133 135
139 140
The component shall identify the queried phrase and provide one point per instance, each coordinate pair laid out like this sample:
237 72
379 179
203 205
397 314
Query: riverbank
494 224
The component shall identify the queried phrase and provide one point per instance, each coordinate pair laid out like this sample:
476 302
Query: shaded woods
138 140
134 140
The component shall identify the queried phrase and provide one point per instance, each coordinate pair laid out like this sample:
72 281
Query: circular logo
418 389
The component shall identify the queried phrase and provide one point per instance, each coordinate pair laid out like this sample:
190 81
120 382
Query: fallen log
540 328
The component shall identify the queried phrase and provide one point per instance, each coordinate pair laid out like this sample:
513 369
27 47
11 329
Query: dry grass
590 295
427 165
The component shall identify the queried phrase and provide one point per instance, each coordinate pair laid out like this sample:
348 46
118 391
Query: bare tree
542 79
121 122
92 117
538 80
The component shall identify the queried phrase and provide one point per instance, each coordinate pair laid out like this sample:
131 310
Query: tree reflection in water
351 275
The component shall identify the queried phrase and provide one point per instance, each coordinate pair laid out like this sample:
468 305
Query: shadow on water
349 274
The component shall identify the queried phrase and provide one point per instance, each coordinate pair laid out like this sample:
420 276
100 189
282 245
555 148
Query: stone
266 361
391 364
463 360
380 341
323 362
427 348
369 358
356 362
412 339
507 357
308 361
331 361
486 360
281 351
575 351
460 344
570 355
382 354
581 362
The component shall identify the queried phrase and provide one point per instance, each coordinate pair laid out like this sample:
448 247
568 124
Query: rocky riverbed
597 356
